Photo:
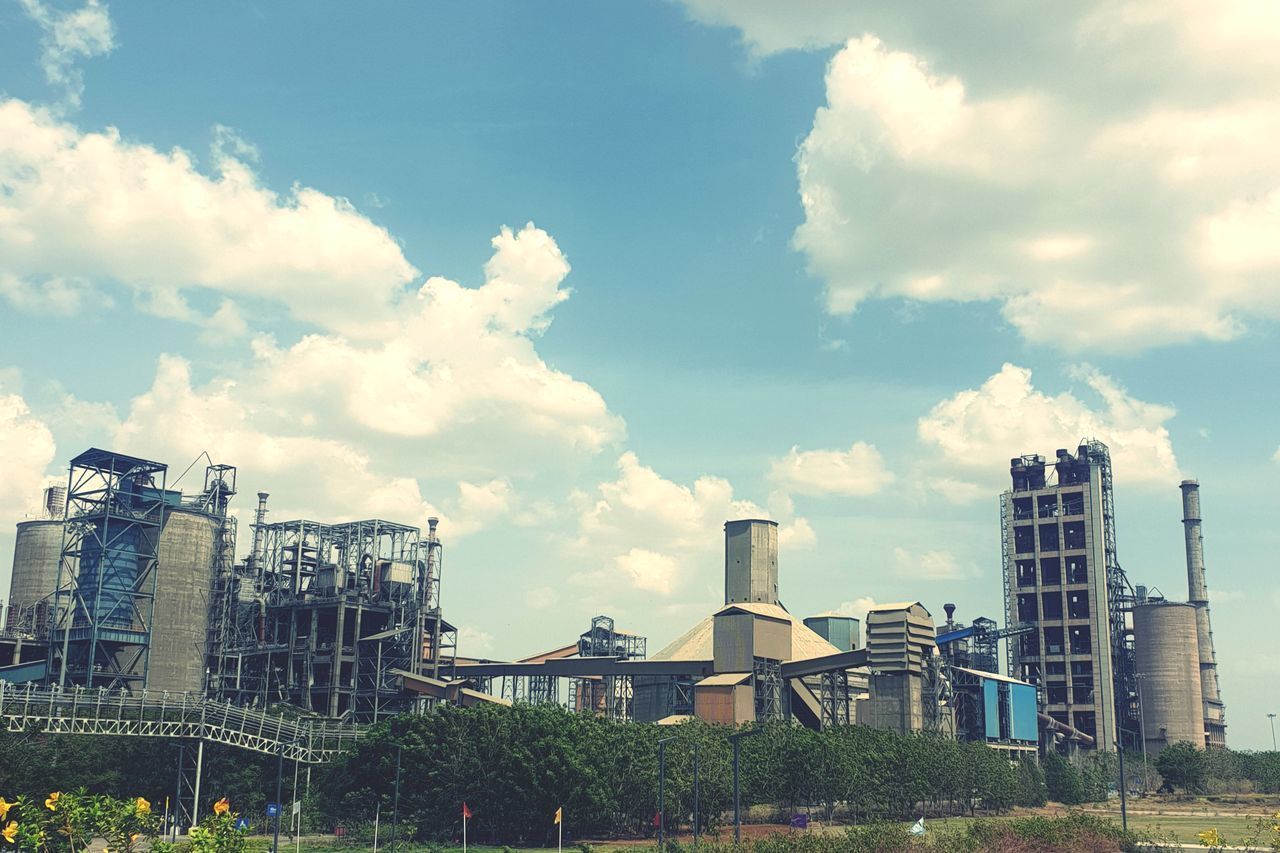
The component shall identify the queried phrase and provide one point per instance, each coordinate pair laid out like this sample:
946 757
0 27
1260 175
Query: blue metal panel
991 708
1025 725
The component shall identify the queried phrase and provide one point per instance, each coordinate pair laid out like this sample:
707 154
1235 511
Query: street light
736 738
395 802
275 844
1272 718
695 794
662 775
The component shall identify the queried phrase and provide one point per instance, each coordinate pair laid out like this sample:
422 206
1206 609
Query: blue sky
836 266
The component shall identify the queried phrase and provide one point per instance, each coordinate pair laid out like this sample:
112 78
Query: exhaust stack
1198 597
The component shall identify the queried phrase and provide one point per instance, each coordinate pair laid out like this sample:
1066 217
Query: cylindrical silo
1168 669
180 620
36 552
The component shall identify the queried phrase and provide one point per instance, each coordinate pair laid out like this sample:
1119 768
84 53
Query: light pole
736 738
395 801
695 793
662 777
1272 718
275 844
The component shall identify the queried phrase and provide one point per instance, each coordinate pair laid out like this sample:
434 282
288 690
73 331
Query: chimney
1198 597
260 532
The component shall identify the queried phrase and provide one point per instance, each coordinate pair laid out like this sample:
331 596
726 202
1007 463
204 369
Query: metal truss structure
324 614
100 633
766 677
98 711
1120 601
833 697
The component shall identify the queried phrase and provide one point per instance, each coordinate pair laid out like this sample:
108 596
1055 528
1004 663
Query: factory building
1062 577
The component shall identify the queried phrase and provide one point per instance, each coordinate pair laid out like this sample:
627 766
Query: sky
586 280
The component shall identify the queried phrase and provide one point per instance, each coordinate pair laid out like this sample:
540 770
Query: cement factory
127 584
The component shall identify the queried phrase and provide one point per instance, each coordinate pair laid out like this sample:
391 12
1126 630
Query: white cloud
931 565
541 598
27 448
976 432
474 643
857 608
659 536
93 206
858 471
69 37
453 357
55 296
1107 180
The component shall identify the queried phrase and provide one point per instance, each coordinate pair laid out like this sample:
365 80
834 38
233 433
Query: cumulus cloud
70 36
934 565
857 608
27 448
659 536
1107 181
858 471
975 432
92 206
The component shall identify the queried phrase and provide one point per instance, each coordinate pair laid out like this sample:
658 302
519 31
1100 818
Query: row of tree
515 766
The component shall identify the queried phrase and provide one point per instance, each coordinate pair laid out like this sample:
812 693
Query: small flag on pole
558 814
466 812
918 827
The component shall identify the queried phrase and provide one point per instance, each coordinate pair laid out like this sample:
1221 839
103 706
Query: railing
98 711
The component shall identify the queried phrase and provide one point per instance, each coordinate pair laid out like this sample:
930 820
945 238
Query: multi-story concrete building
1058 543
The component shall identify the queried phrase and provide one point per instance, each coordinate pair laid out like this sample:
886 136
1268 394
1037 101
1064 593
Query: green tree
1062 780
1183 766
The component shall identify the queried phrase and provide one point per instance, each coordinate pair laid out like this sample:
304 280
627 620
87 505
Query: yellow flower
51 802
1210 838
4 808
221 806
142 806
11 831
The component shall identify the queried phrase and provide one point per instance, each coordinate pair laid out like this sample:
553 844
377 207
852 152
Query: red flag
466 812
657 818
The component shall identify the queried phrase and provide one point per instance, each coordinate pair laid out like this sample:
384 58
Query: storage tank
36 551
843 632
180 620
1168 669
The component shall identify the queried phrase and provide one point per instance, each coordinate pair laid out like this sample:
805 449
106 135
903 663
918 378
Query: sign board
242 824
799 821
297 807
273 809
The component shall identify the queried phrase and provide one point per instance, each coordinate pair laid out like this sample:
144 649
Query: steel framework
100 634
324 614
1120 600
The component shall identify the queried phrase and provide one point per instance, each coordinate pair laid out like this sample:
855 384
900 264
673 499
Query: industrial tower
1215 725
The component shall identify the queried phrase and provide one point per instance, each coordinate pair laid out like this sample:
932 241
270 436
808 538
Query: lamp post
695 794
662 777
1272 718
736 739
395 801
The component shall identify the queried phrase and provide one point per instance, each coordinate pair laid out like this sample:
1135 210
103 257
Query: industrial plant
128 584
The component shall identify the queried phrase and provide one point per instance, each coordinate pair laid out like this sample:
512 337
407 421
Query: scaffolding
324 615
100 634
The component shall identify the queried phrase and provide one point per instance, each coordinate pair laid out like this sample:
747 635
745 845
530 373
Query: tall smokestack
1198 597
260 531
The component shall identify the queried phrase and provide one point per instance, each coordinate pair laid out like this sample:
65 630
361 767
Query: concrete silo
1168 669
36 551
180 622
